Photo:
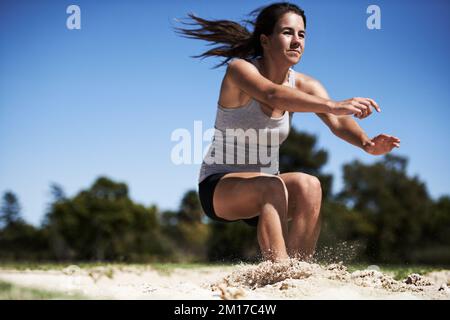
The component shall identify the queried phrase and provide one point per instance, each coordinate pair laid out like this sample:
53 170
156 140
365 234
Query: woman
260 92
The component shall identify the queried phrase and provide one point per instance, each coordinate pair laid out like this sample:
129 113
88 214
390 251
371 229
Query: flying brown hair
233 39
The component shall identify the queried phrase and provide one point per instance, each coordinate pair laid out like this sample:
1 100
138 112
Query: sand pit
294 279
291 279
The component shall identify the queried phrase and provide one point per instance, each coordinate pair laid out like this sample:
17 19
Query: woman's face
287 41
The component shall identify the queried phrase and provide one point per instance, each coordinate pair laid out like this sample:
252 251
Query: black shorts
206 192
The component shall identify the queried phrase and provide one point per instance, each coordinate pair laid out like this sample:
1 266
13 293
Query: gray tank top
246 139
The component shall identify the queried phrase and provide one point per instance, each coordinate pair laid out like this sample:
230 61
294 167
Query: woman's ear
264 40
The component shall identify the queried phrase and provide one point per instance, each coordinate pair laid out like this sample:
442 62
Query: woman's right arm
247 77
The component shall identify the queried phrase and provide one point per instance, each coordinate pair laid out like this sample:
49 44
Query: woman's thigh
239 195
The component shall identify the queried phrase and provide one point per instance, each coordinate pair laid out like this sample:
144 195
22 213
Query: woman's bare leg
305 197
246 195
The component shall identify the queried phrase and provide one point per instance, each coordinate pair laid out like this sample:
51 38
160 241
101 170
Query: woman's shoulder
231 95
305 82
241 63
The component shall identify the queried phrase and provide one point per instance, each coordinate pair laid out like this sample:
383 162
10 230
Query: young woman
260 92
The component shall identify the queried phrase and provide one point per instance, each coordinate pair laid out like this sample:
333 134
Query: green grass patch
401 272
398 272
10 291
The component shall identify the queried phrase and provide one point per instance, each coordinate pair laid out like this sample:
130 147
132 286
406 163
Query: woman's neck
273 72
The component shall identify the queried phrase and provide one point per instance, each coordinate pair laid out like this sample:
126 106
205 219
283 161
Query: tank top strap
292 77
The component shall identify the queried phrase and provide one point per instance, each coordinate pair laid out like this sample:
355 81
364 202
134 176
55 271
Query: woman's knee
306 194
315 185
273 190
308 187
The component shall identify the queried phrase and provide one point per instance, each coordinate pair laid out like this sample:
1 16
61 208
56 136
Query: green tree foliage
186 228
103 223
190 208
10 209
382 215
19 240
439 222
196 237
57 192
435 246
392 208
232 242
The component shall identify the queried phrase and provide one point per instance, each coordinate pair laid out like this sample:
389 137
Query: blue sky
105 99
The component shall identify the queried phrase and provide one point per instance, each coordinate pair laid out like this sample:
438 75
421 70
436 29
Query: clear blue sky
104 100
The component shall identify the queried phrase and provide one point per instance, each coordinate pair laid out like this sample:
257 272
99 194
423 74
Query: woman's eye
290 33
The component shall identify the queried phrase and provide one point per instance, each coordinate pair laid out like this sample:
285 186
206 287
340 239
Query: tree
190 208
436 235
103 223
232 242
439 222
57 192
19 240
10 209
186 229
392 205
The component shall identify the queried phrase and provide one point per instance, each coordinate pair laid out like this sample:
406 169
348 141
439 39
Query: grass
10 291
401 272
398 272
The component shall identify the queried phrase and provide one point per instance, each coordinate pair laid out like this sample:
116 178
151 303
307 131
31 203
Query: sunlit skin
289 204
283 49
280 54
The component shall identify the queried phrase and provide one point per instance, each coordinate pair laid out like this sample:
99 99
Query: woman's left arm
346 128
349 130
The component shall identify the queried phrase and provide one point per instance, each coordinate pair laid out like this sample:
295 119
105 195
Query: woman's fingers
368 105
357 112
367 109
358 107
374 104
364 109
364 101
391 138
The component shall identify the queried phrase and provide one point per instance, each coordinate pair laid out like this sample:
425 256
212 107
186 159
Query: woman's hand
359 107
381 144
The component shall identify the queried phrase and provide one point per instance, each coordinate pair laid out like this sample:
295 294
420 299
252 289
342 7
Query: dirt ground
287 280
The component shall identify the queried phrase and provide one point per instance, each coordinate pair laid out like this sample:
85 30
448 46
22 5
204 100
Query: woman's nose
296 39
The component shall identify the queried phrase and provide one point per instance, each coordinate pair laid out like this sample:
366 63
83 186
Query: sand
291 279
